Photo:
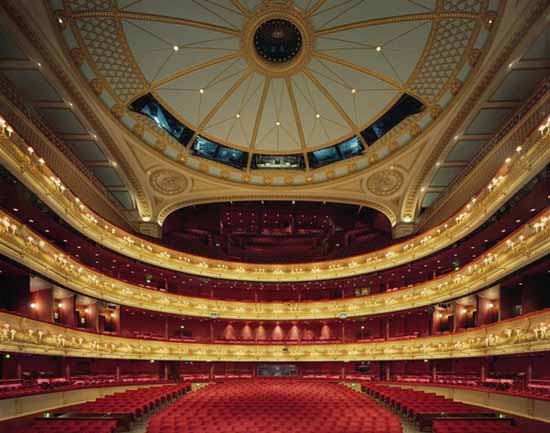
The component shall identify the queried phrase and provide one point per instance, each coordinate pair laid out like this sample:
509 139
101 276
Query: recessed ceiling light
176 48
31 220
533 209
201 91
378 48
317 115
277 123
15 209
47 230
508 160
238 116
60 20
64 240
518 221
353 90
503 230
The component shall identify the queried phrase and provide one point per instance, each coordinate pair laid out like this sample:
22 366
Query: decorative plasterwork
62 74
384 182
318 100
168 182
526 20
46 185
525 245
526 334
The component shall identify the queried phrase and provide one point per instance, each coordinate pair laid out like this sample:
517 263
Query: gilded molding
411 199
527 244
39 178
527 334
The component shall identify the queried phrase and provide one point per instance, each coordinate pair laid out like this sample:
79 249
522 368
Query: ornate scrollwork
168 182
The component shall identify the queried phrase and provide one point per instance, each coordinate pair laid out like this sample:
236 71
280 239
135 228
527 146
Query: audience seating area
70 426
134 403
13 388
423 407
505 425
275 406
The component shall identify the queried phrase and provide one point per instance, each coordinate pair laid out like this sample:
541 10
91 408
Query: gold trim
125 15
434 16
527 334
526 245
62 201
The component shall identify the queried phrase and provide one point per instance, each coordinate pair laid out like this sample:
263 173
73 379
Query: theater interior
274 216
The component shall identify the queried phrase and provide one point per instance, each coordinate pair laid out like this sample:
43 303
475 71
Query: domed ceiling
274 77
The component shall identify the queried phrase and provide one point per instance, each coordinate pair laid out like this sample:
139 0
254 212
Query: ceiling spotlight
378 48
176 48
113 163
201 91
353 91
518 149
238 116
508 160
317 115
277 123
60 20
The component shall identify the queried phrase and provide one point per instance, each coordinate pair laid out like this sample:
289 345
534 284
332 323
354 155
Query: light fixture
353 91
490 305
519 149
277 123
59 305
508 160
238 116
86 310
378 48
33 306
201 91
317 115
176 48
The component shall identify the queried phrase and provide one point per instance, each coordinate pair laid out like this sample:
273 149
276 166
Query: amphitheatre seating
69 426
423 407
275 406
474 426
132 403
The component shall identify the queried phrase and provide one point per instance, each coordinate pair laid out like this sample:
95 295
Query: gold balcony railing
529 333
20 158
522 247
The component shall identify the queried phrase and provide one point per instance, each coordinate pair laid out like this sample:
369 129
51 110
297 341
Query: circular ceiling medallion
168 182
385 182
277 40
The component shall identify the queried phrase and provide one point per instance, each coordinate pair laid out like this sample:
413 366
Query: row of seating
69 426
420 406
275 406
475 426
135 403
22 388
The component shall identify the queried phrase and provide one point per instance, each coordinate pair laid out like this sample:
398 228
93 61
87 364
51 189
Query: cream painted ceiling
356 71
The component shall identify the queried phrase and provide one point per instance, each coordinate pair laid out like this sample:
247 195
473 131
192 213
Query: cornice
74 173
77 93
526 245
33 172
534 11
526 334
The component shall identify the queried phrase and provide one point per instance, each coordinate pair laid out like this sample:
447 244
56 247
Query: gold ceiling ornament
385 182
271 11
66 204
168 182
453 27
522 247
523 334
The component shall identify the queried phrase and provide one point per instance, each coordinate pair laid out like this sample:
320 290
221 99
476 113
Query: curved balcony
522 247
35 173
528 333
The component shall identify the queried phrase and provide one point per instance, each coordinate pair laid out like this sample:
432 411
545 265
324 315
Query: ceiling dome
278 77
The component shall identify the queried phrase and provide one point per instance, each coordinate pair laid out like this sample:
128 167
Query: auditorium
274 216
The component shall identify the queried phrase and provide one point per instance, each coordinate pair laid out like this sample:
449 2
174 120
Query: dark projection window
216 152
150 107
338 152
405 107
278 161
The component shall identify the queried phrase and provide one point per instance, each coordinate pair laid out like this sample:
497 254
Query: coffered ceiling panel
32 85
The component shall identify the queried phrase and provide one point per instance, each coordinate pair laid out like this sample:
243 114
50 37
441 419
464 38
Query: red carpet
274 406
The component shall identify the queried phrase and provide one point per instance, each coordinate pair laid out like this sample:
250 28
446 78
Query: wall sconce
6 129
491 305
439 315
86 310
33 306
59 305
